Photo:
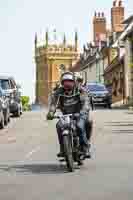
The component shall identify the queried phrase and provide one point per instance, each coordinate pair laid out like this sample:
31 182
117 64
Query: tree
25 103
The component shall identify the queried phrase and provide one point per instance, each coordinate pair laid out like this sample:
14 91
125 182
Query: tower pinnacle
64 40
46 37
76 40
35 41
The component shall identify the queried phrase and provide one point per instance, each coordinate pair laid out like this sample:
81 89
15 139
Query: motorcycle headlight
65 121
12 101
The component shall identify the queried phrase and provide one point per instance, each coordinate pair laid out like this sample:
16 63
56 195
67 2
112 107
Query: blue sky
20 19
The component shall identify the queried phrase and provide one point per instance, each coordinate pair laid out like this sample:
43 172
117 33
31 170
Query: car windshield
96 88
4 84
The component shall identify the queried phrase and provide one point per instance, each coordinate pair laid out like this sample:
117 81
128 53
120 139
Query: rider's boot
61 153
86 151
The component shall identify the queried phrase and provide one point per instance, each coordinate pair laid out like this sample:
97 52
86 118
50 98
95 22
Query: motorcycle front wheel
68 153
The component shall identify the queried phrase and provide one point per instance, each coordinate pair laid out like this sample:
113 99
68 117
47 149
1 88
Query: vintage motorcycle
71 144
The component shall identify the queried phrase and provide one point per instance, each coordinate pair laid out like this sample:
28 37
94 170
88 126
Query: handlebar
58 116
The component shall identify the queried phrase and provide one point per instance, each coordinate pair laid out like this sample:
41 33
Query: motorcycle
70 140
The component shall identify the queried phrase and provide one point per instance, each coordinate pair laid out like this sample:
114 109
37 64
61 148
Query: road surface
29 169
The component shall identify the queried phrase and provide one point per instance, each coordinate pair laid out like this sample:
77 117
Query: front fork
67 133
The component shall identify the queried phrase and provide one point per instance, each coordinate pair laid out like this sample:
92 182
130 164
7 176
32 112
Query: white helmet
67 76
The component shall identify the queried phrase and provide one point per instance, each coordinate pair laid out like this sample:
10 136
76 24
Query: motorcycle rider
71 100
79 80
56 86
81 86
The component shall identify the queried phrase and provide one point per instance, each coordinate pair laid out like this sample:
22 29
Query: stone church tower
51 60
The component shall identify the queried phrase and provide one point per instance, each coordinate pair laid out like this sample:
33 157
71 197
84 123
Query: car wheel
9 116
9 119
17 113
109 106
2 122
6 120
105 106
21 112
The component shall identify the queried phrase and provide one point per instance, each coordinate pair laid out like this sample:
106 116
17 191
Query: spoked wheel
76 154
68 153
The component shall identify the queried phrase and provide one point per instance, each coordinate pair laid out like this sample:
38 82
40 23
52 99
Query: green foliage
26 108
108 82
25 103
130 101
25 100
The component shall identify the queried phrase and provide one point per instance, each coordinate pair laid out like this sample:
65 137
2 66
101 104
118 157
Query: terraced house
109 58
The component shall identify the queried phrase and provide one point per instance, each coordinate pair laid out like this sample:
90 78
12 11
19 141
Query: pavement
29 169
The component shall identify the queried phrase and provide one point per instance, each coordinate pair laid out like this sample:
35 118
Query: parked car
4 109
11 90
1 116
99 93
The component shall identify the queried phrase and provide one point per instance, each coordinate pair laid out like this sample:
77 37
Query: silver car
11 90
1 116
5 106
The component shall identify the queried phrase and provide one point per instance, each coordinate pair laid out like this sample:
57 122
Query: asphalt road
29 169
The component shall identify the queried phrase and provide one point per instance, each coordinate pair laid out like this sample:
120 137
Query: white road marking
28 155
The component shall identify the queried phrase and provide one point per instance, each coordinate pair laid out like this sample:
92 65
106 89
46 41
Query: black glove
50 116
77 115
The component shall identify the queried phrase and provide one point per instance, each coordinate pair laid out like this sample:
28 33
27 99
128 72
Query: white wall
90 72
128 69
94 70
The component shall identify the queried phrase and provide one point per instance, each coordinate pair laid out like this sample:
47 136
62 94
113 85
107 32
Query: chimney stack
99 26
114 3
120 3
117 16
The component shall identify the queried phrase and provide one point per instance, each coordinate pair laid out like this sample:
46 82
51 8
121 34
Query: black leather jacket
78 102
